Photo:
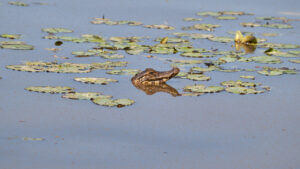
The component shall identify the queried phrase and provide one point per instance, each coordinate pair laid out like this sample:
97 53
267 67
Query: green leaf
56 30
278 26
95 80
243 90
50 89
202 89
85 96
266 59
226 18
10 36
18 3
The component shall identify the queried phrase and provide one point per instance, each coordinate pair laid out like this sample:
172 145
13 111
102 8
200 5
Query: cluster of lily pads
179 43
95 97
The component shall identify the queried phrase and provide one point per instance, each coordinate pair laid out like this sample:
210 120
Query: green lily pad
18 3
266 59
202 89
226 17
135 51
64 67
278 26
221 39
85 96
173 40
115 56
198 77
206 27
110 22
10 36
233 13
227 59
85 38
192 19
247 77
270 34
95 80
250 24
193 35
295 61
185 62
166 27
15 45
209 13
295 52
271 18
56 30
270 71
239 83
243 90
32 139
278 46
272 51
50 89
124 72
201 69
196 55
112 103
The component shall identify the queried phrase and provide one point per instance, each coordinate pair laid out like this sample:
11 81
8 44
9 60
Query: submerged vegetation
198 68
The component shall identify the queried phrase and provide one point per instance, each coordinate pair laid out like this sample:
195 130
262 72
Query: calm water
159 131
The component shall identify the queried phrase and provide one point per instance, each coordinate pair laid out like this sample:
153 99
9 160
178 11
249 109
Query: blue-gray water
159 131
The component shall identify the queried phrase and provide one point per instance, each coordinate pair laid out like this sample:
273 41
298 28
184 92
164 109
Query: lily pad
192 19
206 27
201 69
250 24
166 27
18 3
243 90
270 71
198 77
10 36
196 55
112 103
50 89
247 77
272 51
226 17
172 40
221 39
202 89
115 56
124 72
15 45
85 95
270 34
32 139
110 22
266 59
239 83
233 13
95 80
278 45
209 13
295 61
56 30
278 26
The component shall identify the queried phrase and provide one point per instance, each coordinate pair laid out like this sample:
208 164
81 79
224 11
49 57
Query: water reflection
152 89
247 48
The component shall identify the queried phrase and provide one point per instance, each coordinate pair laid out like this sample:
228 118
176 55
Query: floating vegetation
64 67
270 71
84 38
226 17
266 59
247 77
221 39
112 103
278 45
85 95
95 80
242 88
250 24
295 60
202 89
110 22
217 14
209 13
15 45
10 36
206 27
50 89
278 26
232 83
56 30
171 40
275 52
166 27
18 3
32 139
270 34
193 35
124 72
192 19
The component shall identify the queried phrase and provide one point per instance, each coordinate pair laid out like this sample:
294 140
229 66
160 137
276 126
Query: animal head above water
153 77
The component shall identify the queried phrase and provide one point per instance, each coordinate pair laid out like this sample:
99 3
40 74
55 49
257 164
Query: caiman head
153 77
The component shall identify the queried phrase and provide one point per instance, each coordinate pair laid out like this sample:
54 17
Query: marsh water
221 130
